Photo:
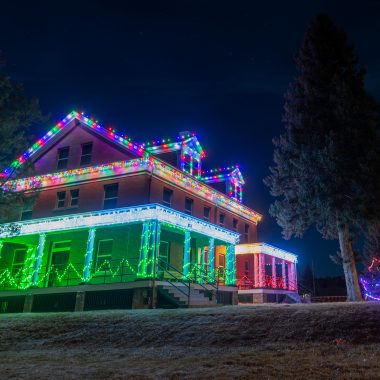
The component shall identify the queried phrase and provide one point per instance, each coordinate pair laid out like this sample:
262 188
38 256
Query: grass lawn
321 341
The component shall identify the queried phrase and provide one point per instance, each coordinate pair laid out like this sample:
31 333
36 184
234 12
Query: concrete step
197 297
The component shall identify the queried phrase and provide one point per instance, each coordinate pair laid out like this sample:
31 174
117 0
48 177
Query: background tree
326 162
18 113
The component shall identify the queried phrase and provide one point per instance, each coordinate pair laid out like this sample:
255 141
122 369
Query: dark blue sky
152 69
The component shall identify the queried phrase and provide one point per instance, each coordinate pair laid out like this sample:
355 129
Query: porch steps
293 298
198 297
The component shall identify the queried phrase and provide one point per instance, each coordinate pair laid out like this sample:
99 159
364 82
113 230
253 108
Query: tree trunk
349 265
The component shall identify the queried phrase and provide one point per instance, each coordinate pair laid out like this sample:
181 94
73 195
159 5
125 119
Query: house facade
111 223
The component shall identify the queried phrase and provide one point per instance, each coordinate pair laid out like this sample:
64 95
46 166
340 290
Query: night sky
153 69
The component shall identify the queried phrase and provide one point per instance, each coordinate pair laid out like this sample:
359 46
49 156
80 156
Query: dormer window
86 156
63 158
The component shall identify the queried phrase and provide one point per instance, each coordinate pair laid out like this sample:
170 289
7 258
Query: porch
265 273
115 246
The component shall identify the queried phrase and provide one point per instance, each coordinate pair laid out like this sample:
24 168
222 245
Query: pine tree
17 115
326 162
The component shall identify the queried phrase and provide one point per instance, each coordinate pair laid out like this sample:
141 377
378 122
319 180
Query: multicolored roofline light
149 164
89 122
191 154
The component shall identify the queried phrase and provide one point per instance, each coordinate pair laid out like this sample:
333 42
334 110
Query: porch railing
268 282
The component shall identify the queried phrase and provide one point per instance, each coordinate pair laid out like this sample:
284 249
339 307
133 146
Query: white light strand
243 249
120 216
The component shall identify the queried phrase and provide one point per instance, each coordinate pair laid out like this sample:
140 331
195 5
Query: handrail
160 261
198 268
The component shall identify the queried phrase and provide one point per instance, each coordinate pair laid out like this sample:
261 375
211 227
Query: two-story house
120 224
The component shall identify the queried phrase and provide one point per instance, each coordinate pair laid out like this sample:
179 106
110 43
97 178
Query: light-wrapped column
261 270
154 246
295 276
1 246
38 260
256 268
186 255
144 247
274 273
291 276
230 265
89 255
283 274
211 261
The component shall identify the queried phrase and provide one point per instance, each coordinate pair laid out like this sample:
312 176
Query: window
235 224
104 254
222 260
246 232
74 197
61 197
206 213
85 158
110 195
63 158
26 215
188 206
59 260
167 197
246 267
163 255
221 219
18 261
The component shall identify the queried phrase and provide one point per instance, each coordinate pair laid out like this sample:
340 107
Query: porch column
186 255
230 265
274 273
144 246
295 276
202 267
38 261
261 270
283 274
211 261
154 246
1 246
89 255
256 268
291 276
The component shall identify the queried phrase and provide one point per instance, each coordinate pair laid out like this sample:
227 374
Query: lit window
235 224
221 219
63 158
74 197
188 206
222 261
110 195
85 158
61 197
167 197
104 254
206 213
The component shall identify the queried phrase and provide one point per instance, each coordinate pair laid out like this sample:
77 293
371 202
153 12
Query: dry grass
325 341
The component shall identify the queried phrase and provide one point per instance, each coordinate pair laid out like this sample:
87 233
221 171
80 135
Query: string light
243 249
371 281
123 216
149 164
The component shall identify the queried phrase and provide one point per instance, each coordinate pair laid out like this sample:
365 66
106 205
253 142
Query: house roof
58 129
